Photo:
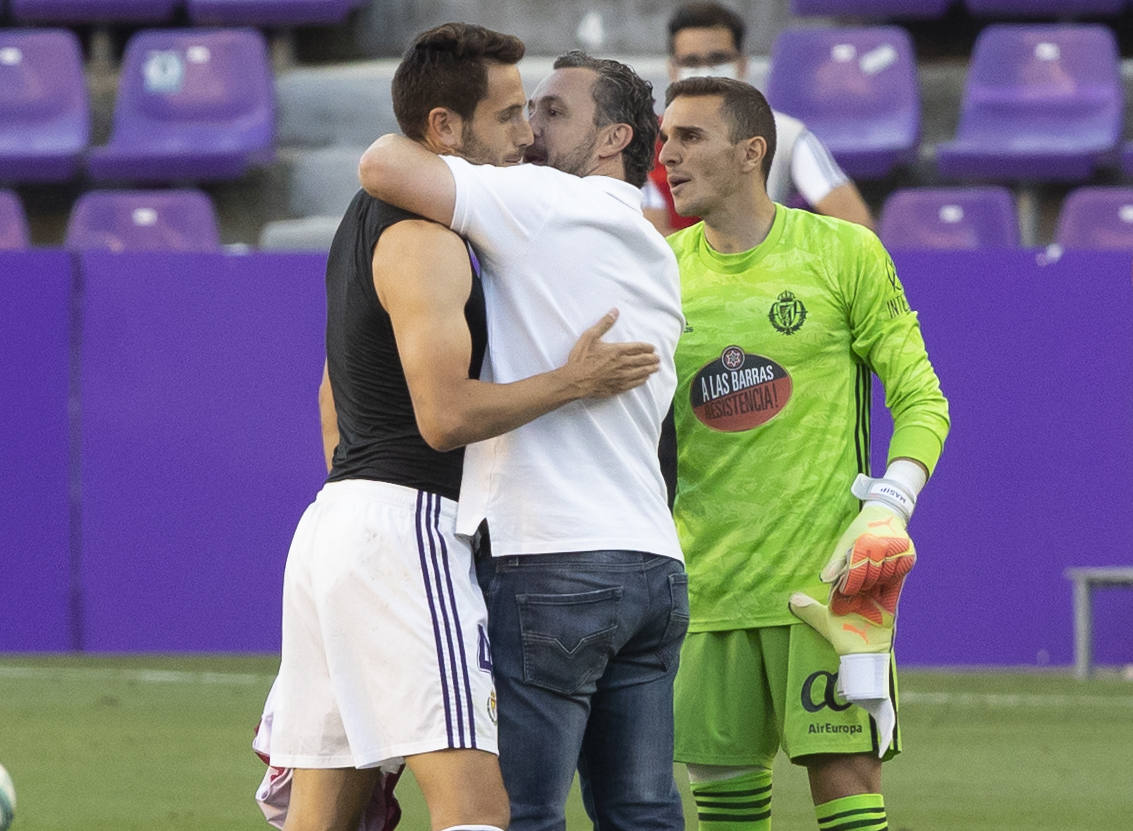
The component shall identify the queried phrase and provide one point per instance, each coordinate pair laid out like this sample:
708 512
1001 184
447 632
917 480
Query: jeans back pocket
568 639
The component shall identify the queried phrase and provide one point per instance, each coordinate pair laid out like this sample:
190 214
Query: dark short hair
703 15
446 66
743 105
621 96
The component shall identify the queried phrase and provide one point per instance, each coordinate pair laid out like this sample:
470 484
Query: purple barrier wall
200 444
35 542
1037 474
200 448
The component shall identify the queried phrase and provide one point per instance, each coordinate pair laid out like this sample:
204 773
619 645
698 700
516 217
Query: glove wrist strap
887 492
863 676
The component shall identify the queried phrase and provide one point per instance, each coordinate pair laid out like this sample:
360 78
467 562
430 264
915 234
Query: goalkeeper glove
860 628
868 570
875 550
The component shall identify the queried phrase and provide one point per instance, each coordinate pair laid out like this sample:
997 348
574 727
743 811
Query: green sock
739 804
861 812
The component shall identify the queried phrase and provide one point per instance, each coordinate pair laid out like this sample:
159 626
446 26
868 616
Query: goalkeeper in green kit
795 557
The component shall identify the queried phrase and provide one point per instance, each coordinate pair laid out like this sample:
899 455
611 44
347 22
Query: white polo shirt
801 163
557 252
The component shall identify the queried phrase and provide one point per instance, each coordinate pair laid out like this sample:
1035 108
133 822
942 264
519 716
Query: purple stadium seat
193 105
1096 218
143 220
1127 159
44 108
856 89
1043 8
1042 102
13 223
92 11
269 12
873 8
949 218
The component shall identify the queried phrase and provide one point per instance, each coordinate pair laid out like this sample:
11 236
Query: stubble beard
579 160
476 151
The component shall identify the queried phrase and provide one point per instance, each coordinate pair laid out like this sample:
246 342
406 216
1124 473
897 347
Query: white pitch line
142 676
174 676
1012 700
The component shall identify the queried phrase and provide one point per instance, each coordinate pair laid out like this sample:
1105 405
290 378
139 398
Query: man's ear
613 139
754 151
444 131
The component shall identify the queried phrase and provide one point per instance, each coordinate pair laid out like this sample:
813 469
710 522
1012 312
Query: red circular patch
739 391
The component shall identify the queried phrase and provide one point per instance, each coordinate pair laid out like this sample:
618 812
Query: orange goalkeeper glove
860 628
867 571
875 550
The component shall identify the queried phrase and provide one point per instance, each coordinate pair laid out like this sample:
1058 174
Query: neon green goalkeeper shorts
741 694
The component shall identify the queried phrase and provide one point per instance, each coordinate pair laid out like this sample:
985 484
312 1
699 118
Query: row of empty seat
932 9
199 12
1041 102
192 104
125 220
1099 218
927 218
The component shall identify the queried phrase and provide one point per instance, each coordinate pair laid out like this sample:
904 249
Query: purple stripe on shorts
473 259
421 515
459 631
433 503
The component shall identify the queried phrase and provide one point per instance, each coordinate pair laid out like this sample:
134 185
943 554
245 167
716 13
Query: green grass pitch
148 742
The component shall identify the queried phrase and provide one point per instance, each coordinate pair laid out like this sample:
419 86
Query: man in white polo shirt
586 591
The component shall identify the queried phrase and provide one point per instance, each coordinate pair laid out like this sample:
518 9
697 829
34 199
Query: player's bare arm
845 202
328 418
402 172
422 276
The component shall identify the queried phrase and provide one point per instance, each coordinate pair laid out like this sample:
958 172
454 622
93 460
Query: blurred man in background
708 39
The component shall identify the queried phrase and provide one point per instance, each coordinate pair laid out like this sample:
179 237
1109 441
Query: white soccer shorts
385 646
274 792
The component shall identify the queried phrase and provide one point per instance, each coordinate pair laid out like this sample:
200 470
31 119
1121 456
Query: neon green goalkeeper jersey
772 407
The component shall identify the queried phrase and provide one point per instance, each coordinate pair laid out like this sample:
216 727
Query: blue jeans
585 648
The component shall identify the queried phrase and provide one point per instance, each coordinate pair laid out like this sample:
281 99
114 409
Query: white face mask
724 70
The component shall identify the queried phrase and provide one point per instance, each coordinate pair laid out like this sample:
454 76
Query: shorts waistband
616 559
387 493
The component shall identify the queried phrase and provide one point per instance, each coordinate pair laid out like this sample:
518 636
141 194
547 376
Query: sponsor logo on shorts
851 729
820 690
787 313
492 707
739 391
